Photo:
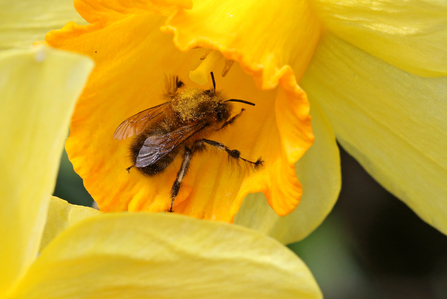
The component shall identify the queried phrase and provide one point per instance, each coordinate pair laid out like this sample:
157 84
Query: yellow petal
132 79
62 215
411 35
263 36
26 21
394 123
114 10
319 172
143 255
38 89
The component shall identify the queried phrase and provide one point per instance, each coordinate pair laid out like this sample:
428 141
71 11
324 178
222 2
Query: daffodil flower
51 249
132 57
374 76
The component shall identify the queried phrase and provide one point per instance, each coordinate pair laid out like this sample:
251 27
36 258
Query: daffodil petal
394 123
62 215
411 35
251 33
319 172
26 21
143 255
38 90
113 10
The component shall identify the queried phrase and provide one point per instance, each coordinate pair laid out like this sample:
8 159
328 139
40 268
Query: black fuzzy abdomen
158 166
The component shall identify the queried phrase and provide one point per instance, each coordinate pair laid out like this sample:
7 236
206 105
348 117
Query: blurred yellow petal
26 21
143 255
129 78
411 35
61 215
38 90
319 172
393 122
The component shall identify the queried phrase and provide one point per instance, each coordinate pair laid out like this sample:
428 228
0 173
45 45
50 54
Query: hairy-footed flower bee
179 126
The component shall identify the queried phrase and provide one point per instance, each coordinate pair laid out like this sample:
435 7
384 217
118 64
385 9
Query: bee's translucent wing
157 146
137 123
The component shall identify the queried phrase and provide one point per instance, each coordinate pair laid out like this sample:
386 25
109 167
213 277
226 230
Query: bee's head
210 92
223 111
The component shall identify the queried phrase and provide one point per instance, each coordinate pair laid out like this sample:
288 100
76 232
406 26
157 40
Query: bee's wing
136 124
156 147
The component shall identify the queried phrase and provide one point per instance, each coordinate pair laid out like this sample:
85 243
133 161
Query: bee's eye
219 115
208 92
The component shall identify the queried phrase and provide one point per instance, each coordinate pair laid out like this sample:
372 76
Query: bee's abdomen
159 165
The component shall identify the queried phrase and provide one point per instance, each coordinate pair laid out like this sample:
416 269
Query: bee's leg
128 168
180 175
231 120
172 84
232 153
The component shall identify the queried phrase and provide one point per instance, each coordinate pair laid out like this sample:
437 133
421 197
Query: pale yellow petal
38 90
147 255
26 21
394 123
411 35
319 172
62 215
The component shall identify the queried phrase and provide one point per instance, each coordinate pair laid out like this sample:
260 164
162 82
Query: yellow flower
85 254
370 81
129 77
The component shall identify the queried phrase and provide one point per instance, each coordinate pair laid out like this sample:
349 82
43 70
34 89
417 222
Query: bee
181 125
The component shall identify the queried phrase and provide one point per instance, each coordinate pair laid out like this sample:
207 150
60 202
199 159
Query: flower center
201 74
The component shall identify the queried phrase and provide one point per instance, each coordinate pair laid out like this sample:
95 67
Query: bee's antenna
241 101
214 82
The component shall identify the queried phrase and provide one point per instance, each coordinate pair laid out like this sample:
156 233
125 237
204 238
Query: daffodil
132 57
51 249
373 71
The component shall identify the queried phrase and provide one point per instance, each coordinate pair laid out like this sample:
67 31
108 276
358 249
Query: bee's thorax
194 104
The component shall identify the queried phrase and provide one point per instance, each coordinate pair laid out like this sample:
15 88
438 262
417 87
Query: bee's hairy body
181 125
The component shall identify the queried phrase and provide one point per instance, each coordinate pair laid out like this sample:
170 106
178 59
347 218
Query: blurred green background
371 245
